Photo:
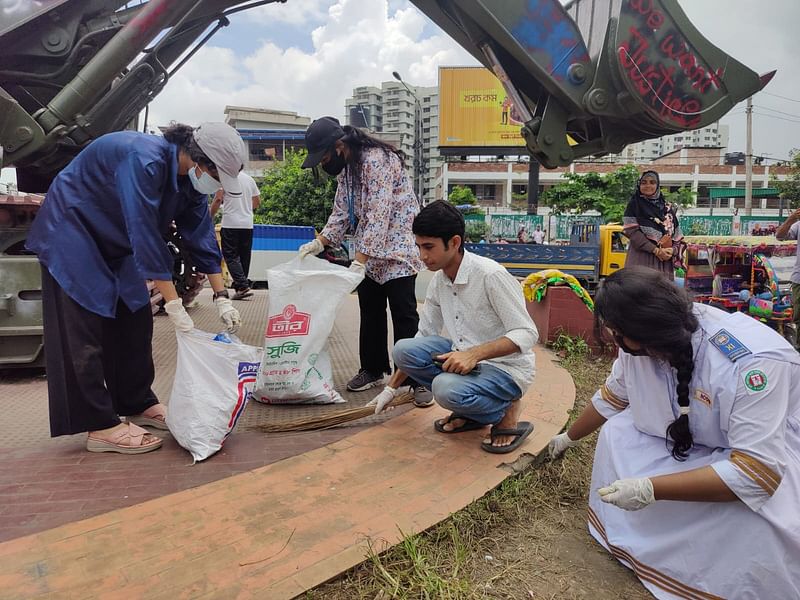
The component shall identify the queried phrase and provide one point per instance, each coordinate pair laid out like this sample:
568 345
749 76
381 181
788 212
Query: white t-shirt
237 211
538 236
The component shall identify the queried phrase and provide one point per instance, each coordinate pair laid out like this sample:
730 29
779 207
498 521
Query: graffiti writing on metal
548 33
662 67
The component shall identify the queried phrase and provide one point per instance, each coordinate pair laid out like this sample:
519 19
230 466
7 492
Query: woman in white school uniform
696 477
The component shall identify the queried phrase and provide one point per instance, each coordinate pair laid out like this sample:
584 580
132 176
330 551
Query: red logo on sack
289 322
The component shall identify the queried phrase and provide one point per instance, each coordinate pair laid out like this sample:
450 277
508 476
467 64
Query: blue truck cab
594 251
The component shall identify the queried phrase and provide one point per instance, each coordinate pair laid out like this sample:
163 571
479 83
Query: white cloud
295 12
359 43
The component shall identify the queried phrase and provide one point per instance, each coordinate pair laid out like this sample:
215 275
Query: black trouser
373 334
97 368
237 245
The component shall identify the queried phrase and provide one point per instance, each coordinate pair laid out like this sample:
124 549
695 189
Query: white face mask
205 184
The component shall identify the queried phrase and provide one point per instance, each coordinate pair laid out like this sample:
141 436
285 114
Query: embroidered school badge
729 345
756 380
702 397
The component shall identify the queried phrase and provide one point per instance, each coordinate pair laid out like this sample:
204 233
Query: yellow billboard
474 110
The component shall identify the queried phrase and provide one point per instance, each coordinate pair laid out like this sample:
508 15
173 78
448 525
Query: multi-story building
495 182
713 136
269 134
408 115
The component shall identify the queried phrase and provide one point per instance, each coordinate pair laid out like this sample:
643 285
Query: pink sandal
125 440
155 416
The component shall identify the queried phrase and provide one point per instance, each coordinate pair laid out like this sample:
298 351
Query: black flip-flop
522 431
468 425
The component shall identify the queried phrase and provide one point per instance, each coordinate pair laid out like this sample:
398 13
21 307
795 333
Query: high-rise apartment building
408 115
712 136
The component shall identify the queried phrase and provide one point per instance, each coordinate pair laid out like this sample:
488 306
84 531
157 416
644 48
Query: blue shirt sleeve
139 183
197 230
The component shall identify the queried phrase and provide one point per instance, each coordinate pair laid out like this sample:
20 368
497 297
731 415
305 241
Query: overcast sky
308 55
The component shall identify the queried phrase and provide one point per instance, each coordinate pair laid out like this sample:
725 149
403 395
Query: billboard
475 112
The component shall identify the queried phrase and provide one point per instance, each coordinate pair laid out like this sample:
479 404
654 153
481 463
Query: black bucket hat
321 135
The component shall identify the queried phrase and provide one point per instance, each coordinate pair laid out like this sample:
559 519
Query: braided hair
644 306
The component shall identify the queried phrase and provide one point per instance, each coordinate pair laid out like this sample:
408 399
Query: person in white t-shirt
237 231
538 235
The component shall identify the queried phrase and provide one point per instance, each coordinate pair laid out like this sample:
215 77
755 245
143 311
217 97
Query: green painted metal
729 192
507 226
564 223
720 225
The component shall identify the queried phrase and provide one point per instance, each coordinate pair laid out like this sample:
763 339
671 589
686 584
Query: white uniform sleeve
757 432
612 397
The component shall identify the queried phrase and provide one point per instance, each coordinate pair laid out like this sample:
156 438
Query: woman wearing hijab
651 225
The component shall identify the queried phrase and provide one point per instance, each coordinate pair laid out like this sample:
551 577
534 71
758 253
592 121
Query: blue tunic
99 230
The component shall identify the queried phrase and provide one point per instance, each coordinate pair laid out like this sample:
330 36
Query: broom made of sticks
331 419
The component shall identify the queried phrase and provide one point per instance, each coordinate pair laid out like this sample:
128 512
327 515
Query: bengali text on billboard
474 110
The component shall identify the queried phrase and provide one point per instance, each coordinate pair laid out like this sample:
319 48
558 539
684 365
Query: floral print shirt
383 209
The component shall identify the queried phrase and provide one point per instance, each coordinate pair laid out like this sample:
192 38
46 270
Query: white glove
178 315
228 314
559 444
629 494
313 248
358 267
381 400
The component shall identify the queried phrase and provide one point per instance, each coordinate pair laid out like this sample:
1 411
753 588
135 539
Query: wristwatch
221 294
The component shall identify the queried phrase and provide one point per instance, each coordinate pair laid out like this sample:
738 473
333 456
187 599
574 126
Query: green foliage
519 202
290 196
683 197
476 230
461 194
790 187
569 346
607 194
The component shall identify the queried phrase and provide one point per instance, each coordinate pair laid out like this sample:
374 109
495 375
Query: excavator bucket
606 73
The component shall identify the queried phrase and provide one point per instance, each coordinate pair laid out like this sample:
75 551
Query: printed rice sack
304 296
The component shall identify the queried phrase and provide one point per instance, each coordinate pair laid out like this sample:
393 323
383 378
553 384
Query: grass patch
518 541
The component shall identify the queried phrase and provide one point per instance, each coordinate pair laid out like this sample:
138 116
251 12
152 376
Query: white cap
223 145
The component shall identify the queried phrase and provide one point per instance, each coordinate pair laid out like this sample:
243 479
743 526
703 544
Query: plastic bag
304 296
213 382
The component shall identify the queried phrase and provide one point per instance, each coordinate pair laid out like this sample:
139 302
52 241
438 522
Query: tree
607 194
790 187
291 196
683 197
476 230
461 195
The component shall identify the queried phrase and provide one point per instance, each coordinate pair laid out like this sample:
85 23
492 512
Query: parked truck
580 77
594 251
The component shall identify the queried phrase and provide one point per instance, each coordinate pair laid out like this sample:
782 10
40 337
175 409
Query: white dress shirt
484 303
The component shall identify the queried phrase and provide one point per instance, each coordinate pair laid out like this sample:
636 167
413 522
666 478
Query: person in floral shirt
376 205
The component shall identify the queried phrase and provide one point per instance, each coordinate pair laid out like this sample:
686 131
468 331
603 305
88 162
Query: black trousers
237 246
373 337
97 368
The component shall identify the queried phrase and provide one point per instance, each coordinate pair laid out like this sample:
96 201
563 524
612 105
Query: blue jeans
483 397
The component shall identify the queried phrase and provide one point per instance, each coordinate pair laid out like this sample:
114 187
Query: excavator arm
603 73
607 73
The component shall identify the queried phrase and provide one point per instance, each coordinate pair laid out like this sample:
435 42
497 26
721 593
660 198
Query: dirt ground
526 539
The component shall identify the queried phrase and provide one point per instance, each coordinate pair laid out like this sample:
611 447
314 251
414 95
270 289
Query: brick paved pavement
106 526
